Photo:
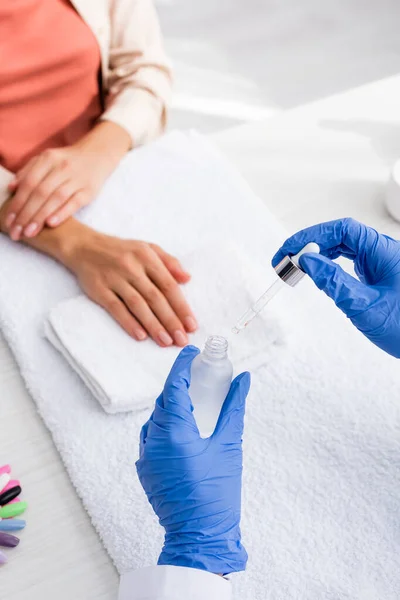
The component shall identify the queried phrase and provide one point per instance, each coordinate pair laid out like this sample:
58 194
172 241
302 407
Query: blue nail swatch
12 524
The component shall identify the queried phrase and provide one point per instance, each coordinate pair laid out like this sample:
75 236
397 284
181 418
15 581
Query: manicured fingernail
9 495
180 338
8 541
5 469
3 558
53 220
140 335
4 480
165 339
12 525
190 324
16 232
13 510
10 220
30 230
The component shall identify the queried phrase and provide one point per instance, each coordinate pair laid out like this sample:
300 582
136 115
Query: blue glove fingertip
189 350
178 381
181 367
232 413
277 258
307 262
244 381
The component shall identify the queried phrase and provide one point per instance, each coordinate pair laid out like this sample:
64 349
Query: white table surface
318 162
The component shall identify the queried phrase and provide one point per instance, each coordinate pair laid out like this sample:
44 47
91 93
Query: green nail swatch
13 510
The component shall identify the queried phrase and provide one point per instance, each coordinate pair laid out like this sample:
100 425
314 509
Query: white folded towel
123 374
321 473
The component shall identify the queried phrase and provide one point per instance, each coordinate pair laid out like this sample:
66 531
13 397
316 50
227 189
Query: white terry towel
123 374
321 498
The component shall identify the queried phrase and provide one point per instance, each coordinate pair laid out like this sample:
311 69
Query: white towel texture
123 374
321 498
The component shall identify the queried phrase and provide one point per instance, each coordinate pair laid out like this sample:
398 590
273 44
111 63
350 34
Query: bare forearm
59 243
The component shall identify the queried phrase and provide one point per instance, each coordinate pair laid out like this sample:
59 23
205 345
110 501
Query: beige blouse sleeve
5 178
139 81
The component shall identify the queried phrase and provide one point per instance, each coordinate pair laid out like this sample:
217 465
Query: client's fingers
162 309
28 180
133 299
173 265
67 210
171 291
54 198
117 309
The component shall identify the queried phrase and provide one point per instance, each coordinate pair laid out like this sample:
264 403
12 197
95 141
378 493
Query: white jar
393 192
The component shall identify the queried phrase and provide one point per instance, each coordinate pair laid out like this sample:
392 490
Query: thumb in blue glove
194 484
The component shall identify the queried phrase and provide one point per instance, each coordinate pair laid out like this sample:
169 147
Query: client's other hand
52 187
55 184
137 283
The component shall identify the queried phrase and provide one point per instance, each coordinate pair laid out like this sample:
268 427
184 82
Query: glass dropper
289 272
257 307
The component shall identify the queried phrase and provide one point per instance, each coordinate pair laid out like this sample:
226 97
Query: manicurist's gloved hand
372 303
194 484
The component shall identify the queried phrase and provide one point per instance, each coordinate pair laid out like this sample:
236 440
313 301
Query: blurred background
244 60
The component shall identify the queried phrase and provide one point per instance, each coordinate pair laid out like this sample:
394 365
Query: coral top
49 88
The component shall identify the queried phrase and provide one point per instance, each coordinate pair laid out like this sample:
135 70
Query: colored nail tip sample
12 525
5 469
8 541
10 495
3 558
4 480
11 484
13 510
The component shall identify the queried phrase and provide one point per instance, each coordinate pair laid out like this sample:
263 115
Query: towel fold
123 374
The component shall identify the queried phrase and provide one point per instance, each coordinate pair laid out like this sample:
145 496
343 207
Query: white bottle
210 382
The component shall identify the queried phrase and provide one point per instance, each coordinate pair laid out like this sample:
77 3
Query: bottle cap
289 269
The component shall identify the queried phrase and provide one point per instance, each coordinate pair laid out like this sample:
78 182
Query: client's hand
137 283
194 484
55 184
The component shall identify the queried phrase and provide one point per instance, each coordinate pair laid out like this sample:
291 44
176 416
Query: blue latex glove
194 484
372 303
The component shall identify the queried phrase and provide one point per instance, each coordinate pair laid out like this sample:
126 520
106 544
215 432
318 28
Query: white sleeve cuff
173 583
